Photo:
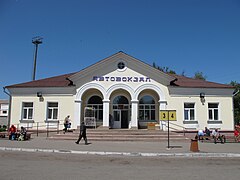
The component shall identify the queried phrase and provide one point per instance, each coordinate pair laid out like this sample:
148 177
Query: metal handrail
38 125
184 129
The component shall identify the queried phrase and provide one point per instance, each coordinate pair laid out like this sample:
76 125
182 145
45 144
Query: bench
221 138
3 134
6 134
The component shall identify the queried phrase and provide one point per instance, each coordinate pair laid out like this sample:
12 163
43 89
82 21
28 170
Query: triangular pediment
111 64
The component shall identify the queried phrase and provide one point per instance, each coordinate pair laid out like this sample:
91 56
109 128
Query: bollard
194 145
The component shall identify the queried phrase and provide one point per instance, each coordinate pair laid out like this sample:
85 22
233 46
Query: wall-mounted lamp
39 94
202 98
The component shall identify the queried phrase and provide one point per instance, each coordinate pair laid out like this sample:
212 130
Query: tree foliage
164 69
199 75
236 102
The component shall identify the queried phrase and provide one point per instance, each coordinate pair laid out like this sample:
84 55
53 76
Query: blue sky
185 35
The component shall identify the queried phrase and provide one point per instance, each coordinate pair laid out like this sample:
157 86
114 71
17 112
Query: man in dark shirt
82 134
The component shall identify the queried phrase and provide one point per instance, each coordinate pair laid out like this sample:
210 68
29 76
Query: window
121 65
27 111
147 108
213 111
52 111
120 102
3 109
96 103
189 111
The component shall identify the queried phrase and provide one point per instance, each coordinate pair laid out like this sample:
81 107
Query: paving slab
42 144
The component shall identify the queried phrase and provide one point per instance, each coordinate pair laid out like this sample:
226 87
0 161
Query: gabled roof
183 81
62 81
133 63
56 81
66 80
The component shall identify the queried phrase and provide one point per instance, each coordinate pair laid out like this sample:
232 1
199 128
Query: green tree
236 102
199 75
164 69
154 65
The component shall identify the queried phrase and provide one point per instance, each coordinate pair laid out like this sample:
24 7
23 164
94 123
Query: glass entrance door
120 118
120 112
117 119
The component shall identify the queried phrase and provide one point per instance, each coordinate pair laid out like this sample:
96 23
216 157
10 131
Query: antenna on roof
36 41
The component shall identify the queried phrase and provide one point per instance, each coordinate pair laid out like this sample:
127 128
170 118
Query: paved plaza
42 144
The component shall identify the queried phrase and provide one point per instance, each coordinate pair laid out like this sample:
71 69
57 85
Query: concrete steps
122 135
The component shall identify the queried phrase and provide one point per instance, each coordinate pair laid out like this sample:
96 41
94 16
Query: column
134 113
162 106
106 113
77 113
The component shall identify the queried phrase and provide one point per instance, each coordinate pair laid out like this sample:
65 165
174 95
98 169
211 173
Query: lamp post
36 41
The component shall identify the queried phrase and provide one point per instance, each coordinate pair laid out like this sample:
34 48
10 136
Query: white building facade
4 105
125 93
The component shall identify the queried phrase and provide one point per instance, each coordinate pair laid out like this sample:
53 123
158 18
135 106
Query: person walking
66 122
82 134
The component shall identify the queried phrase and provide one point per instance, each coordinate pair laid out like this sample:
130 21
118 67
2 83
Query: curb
138 154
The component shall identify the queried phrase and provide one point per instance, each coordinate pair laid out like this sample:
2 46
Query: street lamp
36 41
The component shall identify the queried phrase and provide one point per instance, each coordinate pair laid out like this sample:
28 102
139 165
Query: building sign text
121 79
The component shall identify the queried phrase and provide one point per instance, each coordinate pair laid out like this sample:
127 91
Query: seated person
237 135
23 134
200 134
216 136
207 132
12 132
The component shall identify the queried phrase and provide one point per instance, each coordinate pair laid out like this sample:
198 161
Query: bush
3 128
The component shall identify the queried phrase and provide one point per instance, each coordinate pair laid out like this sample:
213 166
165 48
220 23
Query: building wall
65 105
168 98
201 112
4 112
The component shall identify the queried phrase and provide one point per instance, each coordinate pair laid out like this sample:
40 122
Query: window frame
147 110
52 113
189 110
122 62
213 110
97 107
27 111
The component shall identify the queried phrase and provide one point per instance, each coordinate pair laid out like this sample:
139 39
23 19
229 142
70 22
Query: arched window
120 102
96 103
95 100
147 108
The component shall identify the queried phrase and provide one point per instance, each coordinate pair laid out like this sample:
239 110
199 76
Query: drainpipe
9 107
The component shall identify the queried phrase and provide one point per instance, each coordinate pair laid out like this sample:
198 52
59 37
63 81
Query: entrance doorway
120 112
120 118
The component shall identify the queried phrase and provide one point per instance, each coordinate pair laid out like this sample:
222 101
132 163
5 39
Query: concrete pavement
42 144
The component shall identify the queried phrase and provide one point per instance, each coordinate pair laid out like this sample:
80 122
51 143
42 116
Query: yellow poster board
166 115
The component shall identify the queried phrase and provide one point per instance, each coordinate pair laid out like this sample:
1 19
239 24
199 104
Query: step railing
42 127
174 126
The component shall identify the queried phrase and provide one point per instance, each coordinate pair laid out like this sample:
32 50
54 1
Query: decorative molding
26 121
190 122
214 122
51 121
152 87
